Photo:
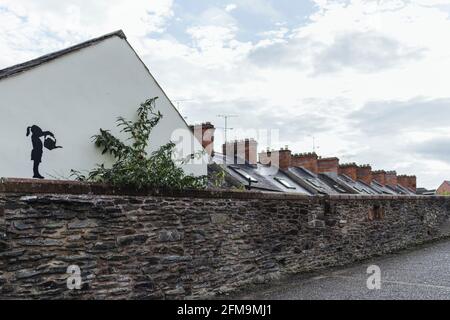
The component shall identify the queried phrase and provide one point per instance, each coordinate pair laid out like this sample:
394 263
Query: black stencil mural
36 153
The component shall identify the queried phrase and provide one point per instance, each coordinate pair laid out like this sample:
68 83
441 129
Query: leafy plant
216 176
133 166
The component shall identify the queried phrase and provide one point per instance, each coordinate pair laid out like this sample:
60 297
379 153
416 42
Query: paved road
420 274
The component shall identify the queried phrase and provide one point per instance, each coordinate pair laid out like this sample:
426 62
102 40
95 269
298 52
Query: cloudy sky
370 79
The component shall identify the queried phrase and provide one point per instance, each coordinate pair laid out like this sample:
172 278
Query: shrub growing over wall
133 166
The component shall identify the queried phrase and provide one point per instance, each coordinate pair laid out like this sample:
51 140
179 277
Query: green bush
133 167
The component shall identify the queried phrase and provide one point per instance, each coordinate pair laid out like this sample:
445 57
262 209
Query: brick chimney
280 159
365 174
403 180
244 150
205 135
285 158
350 170
307 161
391 178
409 182
379 176
328 165
413 183
266 157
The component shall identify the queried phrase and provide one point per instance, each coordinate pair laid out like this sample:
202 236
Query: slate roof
382 189
19 68
349 185
311 181
281 180
360 186
265 178
300 180
401 190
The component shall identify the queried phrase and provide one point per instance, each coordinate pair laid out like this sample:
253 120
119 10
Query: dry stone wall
193 244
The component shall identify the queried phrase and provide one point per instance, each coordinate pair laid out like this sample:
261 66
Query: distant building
444 189
425 192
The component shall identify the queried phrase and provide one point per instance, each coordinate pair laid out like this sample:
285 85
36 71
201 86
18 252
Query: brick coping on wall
27 186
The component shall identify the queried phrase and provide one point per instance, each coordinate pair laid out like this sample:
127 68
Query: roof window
284 182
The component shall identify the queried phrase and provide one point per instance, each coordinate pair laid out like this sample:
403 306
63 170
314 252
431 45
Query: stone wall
192 244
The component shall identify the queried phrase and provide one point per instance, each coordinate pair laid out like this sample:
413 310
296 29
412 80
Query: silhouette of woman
36 153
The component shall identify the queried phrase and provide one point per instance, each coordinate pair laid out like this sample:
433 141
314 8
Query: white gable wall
73 96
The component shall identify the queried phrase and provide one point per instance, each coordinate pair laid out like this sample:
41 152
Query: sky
368 79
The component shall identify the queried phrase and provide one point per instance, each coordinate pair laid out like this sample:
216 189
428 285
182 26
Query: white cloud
230 7
260 7
31 28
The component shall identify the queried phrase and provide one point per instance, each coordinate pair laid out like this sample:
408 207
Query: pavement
422 274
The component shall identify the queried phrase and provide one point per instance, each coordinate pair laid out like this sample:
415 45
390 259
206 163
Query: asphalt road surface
420 274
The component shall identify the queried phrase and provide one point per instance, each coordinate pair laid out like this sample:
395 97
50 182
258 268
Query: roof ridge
25 66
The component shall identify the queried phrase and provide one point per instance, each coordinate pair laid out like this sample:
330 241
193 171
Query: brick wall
175 245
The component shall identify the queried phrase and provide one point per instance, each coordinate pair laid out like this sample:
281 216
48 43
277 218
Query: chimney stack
328 165
409 182
243 151
350 170
265 157
379 176
391 178
364 173
280 159
306 160
285 158
205 135
413 183
403 180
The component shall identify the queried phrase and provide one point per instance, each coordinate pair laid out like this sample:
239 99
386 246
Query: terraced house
306 173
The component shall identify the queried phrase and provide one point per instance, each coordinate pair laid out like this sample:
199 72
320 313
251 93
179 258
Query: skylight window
346 178
284 182
314 183
339 188
245 175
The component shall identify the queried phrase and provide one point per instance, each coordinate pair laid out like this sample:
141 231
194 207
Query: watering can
50 143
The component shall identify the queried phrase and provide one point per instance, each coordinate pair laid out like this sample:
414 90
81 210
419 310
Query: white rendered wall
73 97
